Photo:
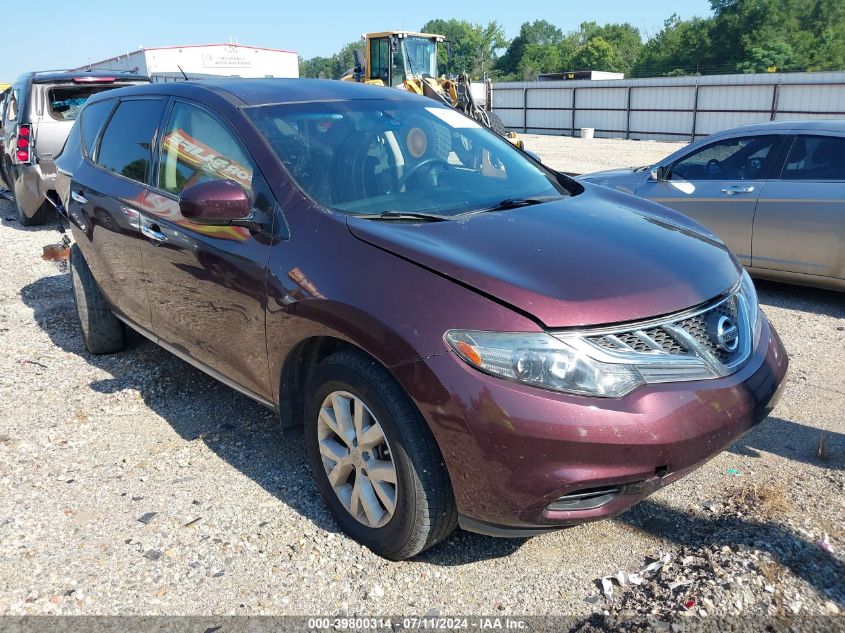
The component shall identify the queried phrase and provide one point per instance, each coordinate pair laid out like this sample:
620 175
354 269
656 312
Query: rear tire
424 509
102 332
42 216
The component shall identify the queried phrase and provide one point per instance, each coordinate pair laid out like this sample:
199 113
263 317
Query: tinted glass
197 148
379 58
371 156
93 118
815 158
732 159
126 145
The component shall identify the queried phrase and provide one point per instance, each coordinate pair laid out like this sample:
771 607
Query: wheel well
298 368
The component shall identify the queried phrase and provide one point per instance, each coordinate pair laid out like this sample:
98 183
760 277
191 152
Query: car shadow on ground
801 556
9 217
243 433
814 300
794 441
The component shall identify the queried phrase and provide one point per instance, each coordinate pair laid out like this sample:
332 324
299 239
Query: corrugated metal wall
672 108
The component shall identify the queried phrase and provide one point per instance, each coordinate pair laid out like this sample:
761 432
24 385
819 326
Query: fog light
586 499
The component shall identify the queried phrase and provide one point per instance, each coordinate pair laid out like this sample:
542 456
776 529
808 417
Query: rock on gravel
90 444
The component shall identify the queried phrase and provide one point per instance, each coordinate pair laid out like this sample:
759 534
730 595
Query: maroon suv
468 337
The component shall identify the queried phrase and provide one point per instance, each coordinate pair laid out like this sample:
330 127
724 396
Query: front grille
702 328
694 334
644 341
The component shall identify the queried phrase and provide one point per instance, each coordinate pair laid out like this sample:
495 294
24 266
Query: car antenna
183 72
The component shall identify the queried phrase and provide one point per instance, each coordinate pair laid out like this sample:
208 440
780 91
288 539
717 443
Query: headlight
544 361
749 292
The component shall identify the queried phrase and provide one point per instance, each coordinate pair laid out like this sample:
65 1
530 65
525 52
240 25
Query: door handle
737 189
153 231
77 195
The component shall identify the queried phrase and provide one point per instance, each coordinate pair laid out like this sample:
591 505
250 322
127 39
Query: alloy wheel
357 458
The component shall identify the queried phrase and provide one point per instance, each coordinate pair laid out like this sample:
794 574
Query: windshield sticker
453 118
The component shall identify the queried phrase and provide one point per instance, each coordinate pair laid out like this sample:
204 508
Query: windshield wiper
403 215
514 203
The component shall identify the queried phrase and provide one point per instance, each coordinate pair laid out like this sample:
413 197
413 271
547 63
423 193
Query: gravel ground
134 484
582 156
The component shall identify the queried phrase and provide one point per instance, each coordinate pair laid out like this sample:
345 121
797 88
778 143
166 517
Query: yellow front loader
408 61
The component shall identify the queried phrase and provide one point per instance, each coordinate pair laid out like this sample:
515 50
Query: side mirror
534 156
660 174
216 202
359 60
450 51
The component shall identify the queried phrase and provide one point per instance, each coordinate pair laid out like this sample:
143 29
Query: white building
207 60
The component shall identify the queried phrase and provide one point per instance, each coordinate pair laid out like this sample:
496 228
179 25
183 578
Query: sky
71 34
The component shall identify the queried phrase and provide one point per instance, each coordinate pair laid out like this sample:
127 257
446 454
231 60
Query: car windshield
394 156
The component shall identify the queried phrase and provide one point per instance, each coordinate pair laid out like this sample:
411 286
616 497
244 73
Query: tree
597 54
760 59
538 33
474 47
624 38
740 36
538 58
682 47
330 67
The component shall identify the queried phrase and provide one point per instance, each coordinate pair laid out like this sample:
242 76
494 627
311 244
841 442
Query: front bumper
513 450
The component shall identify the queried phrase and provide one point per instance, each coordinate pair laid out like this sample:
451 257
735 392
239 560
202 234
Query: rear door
108 191
718 185
800 221
207 284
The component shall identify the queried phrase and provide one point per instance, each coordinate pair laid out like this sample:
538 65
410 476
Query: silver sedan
774 192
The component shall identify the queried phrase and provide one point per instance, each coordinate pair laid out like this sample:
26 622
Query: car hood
600 257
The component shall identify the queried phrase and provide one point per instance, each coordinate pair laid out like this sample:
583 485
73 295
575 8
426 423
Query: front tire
497 125
376 463
102 332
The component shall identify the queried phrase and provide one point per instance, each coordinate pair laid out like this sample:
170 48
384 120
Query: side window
378 58
126 144
815 158
197 148
93 118
743 158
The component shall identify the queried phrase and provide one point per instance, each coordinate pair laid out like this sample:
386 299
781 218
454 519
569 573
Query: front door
800 222
718 185
207 283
